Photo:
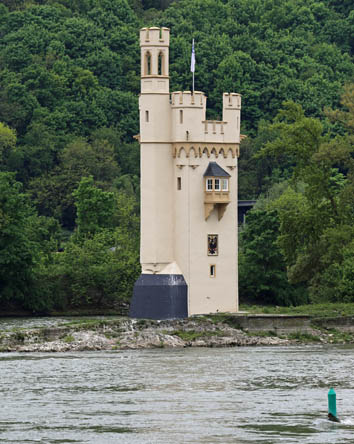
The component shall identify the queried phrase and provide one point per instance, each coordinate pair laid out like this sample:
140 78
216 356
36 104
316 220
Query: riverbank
221 330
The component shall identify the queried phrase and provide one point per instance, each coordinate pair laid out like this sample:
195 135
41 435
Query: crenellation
154 36
214 126
231 101
186 98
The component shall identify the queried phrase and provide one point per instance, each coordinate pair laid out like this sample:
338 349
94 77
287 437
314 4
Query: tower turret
154 44
188 246
231 114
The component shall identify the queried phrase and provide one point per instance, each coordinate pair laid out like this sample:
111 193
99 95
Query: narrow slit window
148 64
179 183
212 272
209 185
146 116
181 116
160 64
217 184
225 184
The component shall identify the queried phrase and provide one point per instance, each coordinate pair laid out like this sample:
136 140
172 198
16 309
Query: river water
242 395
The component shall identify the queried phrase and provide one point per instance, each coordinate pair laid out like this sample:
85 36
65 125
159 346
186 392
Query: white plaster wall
206 294
157 219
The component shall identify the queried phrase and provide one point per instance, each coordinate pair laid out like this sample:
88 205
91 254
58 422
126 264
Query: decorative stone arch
193 150
198 150
206 151
181 151
233 154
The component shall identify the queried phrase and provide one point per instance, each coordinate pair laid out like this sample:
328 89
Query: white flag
193 58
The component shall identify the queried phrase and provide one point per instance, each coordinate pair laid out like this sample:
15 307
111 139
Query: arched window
147 63
160 64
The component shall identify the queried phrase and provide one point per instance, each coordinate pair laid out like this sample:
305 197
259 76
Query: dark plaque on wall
213 248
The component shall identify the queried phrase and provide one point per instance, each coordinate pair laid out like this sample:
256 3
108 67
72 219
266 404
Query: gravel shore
125 333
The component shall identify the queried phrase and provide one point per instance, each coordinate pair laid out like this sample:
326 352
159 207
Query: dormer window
217 184
216 190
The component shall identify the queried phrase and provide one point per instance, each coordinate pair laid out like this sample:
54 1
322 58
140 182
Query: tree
95 208
316 219
100 262
19 250
262 269
7 141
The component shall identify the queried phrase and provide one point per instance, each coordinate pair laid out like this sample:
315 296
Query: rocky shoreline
124 333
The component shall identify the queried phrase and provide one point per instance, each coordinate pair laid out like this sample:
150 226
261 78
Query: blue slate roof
215 170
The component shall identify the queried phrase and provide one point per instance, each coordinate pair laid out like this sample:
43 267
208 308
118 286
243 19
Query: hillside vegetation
69 166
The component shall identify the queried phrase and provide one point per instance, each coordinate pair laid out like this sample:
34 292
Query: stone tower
188 195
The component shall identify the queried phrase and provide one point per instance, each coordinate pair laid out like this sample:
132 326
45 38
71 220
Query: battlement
214 126
231 101
189 122
154 36
181 99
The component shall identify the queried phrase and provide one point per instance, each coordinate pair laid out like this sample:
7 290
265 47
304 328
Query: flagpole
193 65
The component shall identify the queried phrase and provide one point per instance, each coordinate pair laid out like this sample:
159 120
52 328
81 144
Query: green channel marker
332 405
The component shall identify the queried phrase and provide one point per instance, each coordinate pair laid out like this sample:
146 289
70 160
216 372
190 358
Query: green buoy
332 405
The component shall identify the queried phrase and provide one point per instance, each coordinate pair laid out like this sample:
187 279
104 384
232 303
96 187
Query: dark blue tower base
159 296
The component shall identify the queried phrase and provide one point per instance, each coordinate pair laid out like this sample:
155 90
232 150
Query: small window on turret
179 183
146 116
217 184
209 185
148 64
181 116
160 61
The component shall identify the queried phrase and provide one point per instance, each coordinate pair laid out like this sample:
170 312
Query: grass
303 337
69 339
338 337
325 310
89 324
192 335
263 334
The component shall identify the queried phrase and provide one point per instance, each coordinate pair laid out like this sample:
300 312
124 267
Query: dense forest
69 166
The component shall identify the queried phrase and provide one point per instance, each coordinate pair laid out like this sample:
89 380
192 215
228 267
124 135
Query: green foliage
267 51
100 262
7 141
321 310
262 270
316 222
18 252
53 192
25 239
98 271
303 337
69 80
95 208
